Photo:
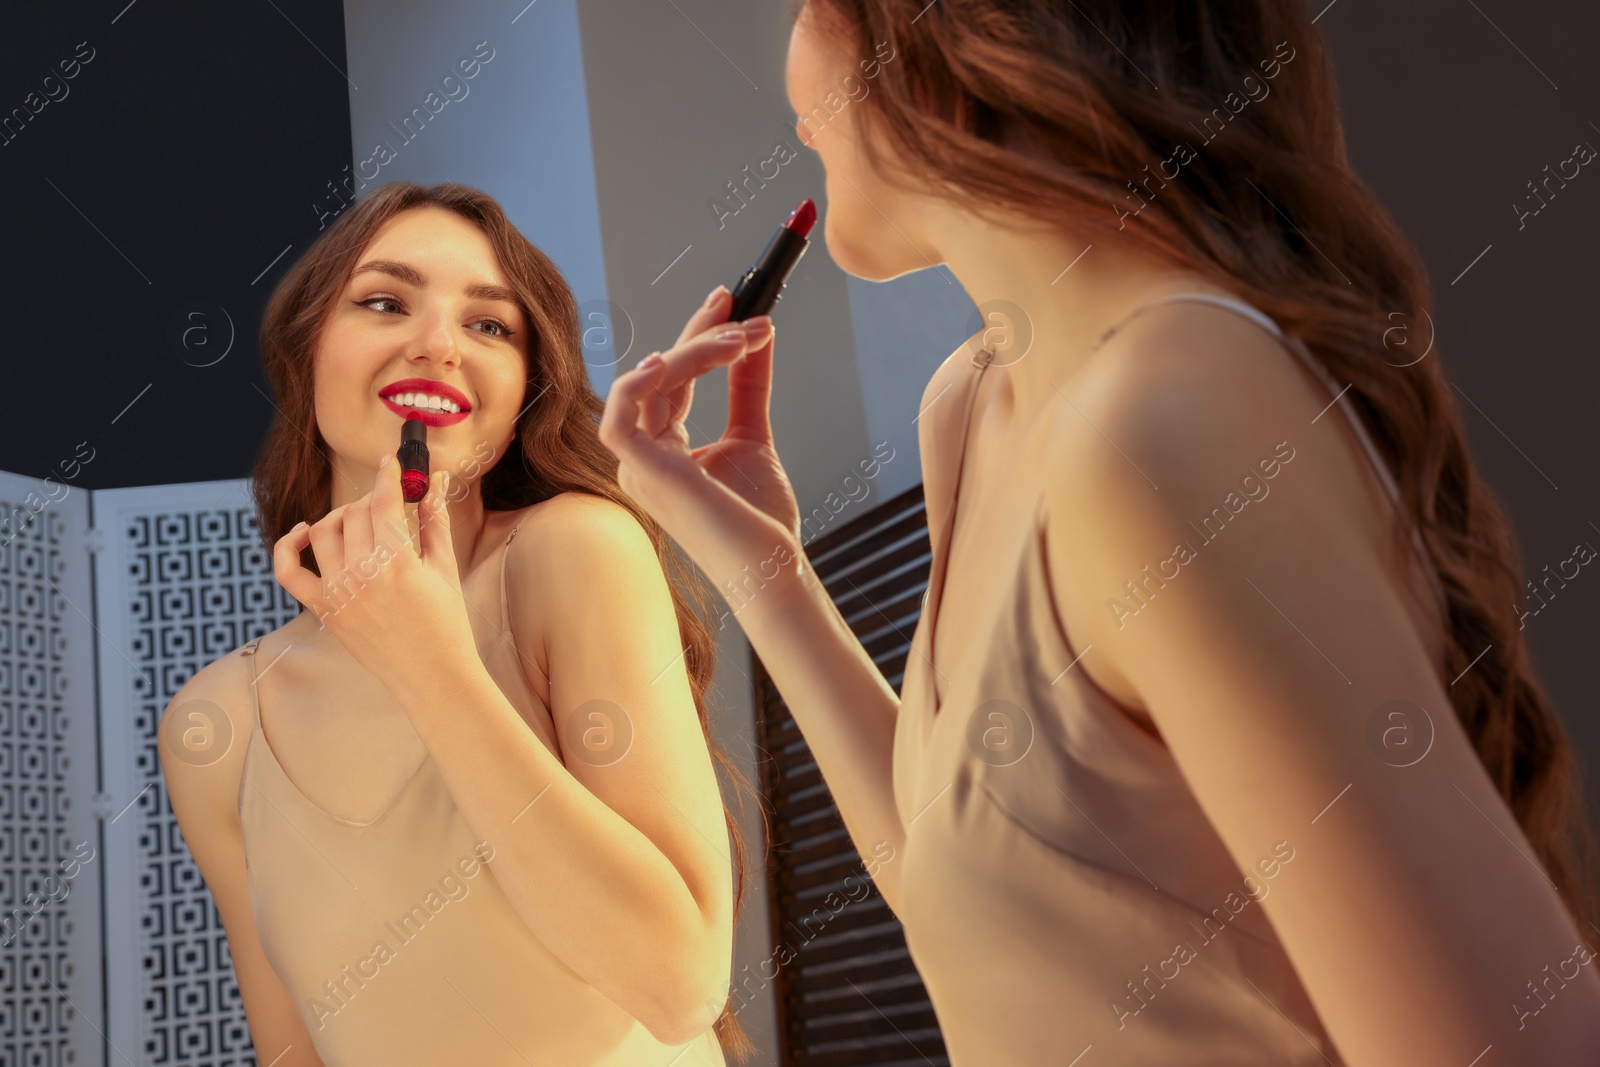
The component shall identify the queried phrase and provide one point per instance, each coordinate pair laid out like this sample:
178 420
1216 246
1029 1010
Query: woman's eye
505 331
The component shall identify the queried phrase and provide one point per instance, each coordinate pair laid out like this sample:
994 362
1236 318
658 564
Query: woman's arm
842 704
845 708
730 506
1414 912
204 793
620 865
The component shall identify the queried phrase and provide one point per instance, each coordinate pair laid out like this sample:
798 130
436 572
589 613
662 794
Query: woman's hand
728 503
398 609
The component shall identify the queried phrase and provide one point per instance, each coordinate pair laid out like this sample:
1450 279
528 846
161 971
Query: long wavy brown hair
1050 108
557 443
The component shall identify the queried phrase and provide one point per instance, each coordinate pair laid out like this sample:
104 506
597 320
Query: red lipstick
413 457
802 218
762 285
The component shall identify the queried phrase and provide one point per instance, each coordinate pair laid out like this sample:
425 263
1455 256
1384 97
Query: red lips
429 417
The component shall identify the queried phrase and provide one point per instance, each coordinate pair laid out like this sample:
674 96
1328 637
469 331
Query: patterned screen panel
51 864
181 579
848 993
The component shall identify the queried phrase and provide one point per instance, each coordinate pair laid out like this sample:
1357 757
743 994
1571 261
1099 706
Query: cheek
335 381
854 185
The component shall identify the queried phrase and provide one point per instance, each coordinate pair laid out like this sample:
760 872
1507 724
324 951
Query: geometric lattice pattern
182 580
51 877
850 994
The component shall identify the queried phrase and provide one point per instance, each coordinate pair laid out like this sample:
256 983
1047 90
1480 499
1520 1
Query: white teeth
425 401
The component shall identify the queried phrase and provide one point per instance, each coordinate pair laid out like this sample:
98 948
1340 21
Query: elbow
676 1025
685 1026
686 1005
887 883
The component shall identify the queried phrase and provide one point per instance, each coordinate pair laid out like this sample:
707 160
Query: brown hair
557 449
1051 110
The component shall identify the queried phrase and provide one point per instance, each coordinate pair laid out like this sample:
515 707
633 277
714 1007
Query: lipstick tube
761 287
413 457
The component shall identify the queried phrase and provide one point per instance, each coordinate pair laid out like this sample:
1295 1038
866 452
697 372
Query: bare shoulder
572 520
202 737
579 544
581 561
1188 417
1188 382
202 741
1212 538
943 375
206 726
942 382
1182 403
938 416
573 502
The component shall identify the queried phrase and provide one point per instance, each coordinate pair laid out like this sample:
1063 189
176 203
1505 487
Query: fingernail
758 325
653 359
732 335
384 462
711 298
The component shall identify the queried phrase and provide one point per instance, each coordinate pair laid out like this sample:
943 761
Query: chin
876 258
857 261
880 270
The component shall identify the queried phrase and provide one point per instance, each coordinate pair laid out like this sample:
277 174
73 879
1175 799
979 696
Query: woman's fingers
359 548
666 404
293 575
710 313
433 525
720 345
387 517
750 393
714 347
624 424
655 406
327 545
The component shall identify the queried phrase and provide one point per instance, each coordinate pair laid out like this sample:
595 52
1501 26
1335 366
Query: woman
471 816
1180 772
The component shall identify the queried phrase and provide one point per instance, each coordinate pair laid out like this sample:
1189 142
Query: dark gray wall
1451 109
146 214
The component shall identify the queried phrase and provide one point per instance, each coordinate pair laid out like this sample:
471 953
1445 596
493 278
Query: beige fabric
398 944
1045 896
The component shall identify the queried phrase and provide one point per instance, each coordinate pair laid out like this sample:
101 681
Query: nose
437 340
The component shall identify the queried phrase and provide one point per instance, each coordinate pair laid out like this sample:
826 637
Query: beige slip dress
1046 891
395 939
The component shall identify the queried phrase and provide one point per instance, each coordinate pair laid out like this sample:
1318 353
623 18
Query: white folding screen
51 845
181 579
111 951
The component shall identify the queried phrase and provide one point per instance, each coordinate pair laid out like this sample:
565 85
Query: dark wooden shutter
850 995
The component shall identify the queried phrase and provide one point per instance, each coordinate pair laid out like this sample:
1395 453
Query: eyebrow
411 276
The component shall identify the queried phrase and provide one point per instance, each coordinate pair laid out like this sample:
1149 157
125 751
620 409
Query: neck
1045 298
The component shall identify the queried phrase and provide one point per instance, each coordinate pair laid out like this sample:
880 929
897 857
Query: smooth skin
623 870
1413 912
